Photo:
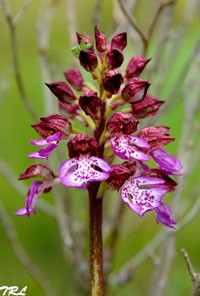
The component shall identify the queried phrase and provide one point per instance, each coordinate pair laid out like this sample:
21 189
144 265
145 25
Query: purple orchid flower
125 146
79 171
143 194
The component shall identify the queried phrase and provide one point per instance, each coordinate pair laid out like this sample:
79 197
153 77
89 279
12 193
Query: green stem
96 249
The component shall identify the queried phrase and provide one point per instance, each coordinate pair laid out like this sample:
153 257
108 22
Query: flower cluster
110 109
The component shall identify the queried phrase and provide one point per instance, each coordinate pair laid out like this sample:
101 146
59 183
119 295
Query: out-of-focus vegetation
174 73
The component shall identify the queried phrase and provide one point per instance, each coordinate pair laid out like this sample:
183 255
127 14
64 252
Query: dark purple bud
121 123
82 144
70 109
62 91
119 41
149 106
74 77
135 90
88 60
120 173
86 38
91 104
136 66
37 170
114 59
100 40
112 81
52 124
156 137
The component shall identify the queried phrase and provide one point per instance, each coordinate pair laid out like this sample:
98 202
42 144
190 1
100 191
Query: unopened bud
88 60
112 81
135 66
91 104
114 59
62 91
135 90
121 123
119 41
100 40
147 107
74 77
82 144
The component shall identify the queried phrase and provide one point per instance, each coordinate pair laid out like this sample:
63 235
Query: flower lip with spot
80 171
143 194
126 147
51 142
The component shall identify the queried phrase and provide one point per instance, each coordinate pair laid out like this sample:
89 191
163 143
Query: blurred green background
174 77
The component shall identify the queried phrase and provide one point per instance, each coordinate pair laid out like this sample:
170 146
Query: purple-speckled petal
78 172
143 194
125 146
99 162
34 192
163 215
166 162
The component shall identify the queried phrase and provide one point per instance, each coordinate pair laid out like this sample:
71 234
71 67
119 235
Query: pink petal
143 194
166 162
78 172
125 147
